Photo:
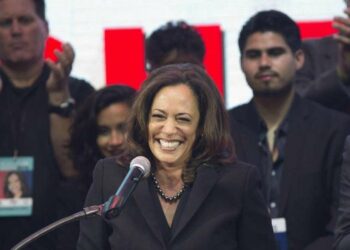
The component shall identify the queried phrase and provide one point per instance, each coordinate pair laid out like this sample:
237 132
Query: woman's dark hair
24 186
84 131
274 21
213 142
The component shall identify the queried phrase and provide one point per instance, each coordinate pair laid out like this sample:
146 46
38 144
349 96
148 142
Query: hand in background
57 84
342 24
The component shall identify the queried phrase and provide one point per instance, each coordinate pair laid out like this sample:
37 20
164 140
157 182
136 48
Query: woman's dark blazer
224 210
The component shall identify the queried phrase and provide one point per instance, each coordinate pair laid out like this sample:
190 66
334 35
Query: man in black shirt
297 142
37 98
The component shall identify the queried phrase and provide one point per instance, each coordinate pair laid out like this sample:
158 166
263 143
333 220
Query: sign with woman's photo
16 180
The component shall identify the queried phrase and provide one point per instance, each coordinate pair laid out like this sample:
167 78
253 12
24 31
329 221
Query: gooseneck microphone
139 167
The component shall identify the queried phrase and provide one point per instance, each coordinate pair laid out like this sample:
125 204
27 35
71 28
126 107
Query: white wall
82 22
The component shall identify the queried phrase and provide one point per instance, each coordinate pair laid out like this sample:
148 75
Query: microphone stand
87 211
139 167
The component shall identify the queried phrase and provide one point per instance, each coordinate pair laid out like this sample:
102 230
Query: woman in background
99 127
98 131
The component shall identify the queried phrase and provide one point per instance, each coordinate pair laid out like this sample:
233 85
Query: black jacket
224 210
309 184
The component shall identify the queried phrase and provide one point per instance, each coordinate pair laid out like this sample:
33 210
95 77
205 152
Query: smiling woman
99 128
172 127
187 96
179 122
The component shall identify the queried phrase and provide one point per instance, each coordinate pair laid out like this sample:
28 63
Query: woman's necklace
169 199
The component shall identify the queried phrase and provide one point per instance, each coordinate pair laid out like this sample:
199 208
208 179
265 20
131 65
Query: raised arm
60 99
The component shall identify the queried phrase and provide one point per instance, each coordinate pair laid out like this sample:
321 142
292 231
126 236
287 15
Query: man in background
298 143
37 99
174 42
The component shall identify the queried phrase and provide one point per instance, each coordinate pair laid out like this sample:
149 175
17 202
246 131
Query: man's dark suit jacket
224 210
343 221
318 80
309 179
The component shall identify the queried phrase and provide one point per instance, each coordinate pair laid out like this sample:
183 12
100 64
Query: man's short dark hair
274 21
40 8
176 37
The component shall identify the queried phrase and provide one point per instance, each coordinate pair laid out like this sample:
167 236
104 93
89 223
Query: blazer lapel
203 184
143 198
248 134
248 117
296 135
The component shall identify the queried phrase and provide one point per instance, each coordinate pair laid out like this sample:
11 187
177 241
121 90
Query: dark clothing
318 80
273 168
167 230
24 125
343 221
224 210
309 182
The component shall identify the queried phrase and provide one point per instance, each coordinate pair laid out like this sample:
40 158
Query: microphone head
142 163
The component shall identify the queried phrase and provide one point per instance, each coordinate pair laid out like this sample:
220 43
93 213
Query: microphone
139 167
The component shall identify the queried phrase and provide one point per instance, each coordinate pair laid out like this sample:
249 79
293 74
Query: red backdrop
125 51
